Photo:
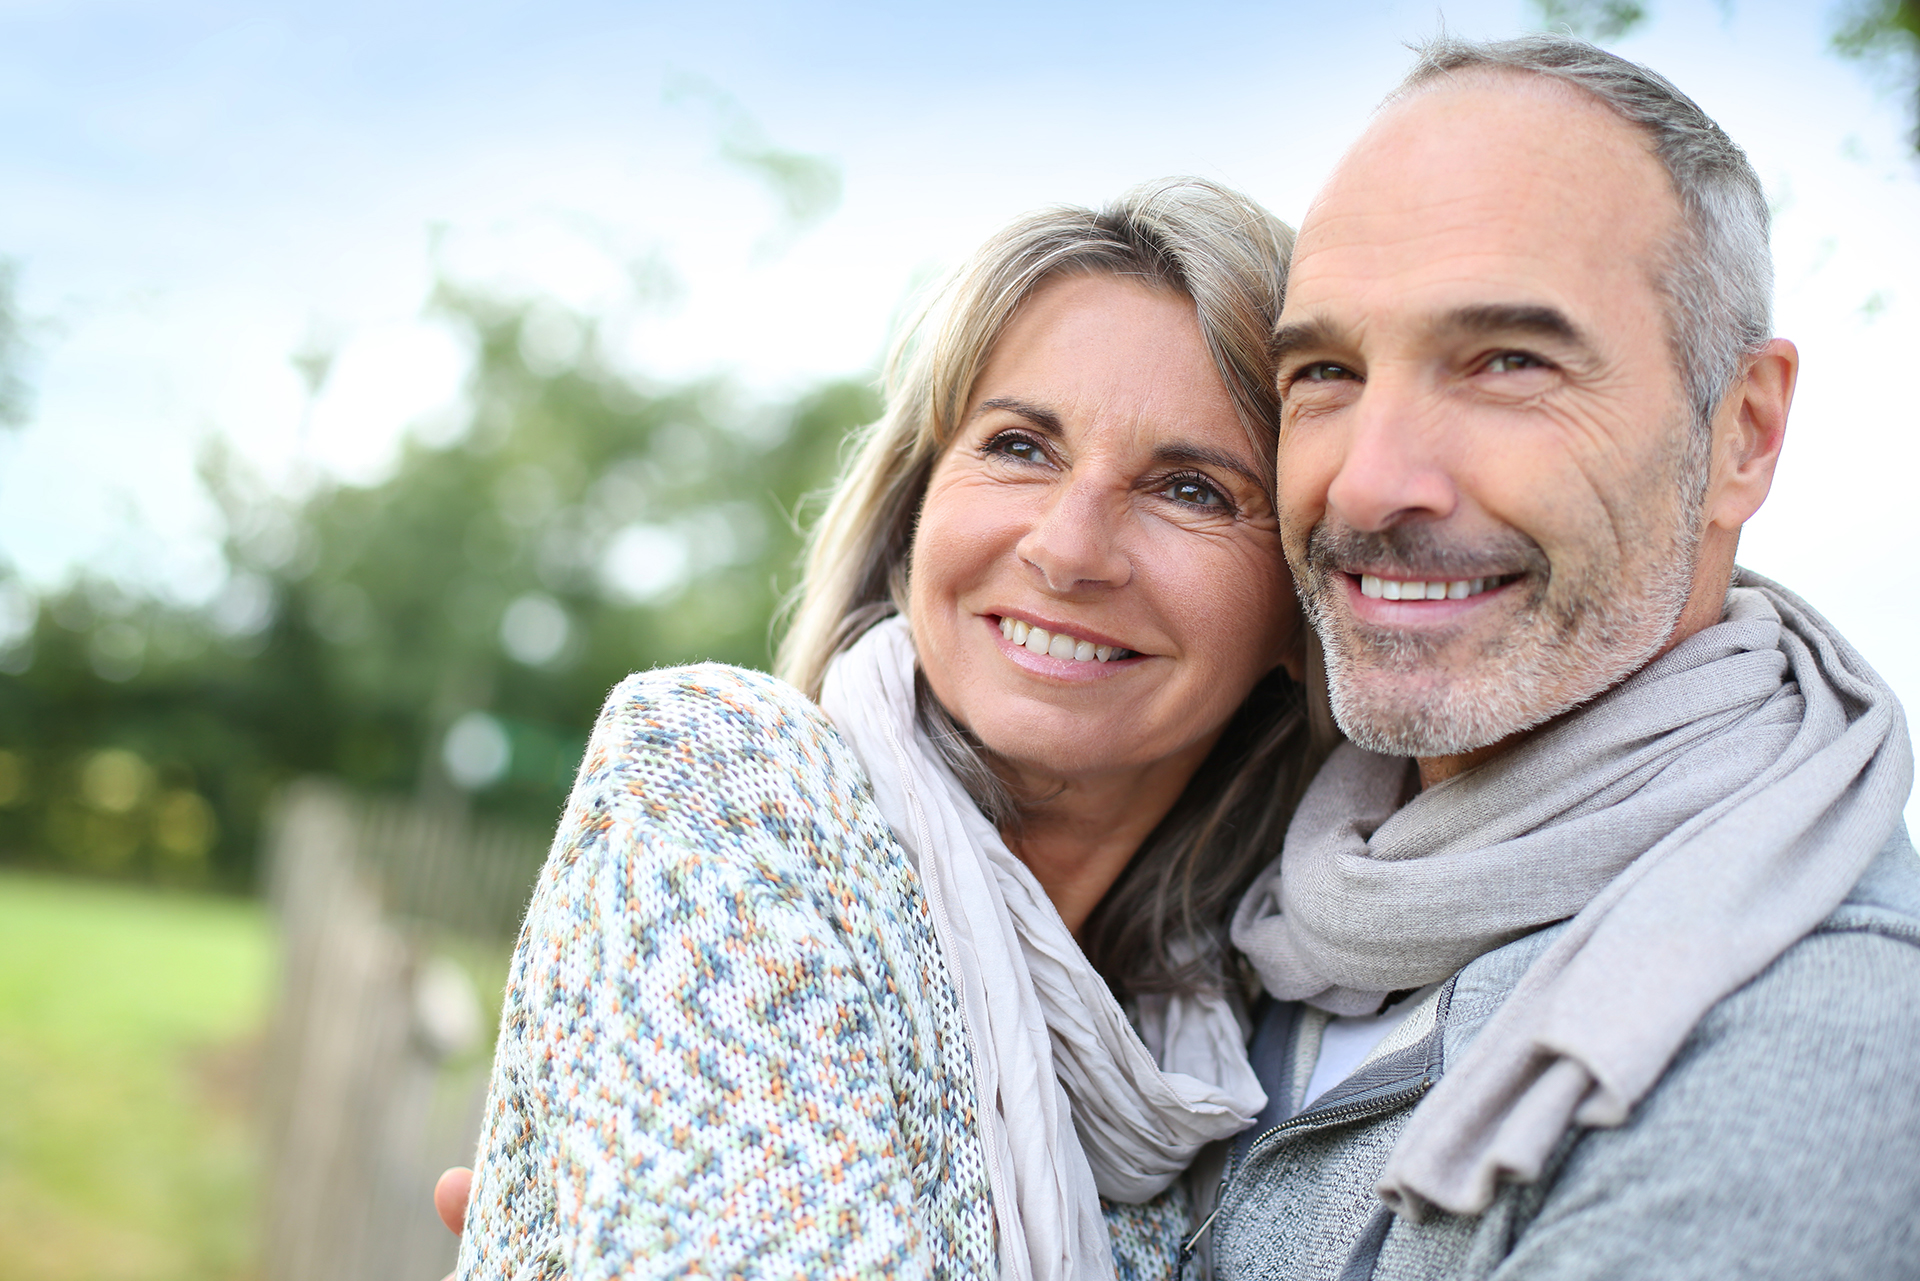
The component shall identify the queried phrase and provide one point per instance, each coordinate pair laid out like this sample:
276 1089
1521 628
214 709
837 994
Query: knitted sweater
730 1045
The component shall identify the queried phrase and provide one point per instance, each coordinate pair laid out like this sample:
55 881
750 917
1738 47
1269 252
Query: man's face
1485 487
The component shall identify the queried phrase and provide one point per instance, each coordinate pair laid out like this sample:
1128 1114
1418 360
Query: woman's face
1097 579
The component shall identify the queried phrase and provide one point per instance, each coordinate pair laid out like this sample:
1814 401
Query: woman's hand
450 1197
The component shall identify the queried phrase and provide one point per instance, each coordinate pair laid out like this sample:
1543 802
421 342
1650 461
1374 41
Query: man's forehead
1495 176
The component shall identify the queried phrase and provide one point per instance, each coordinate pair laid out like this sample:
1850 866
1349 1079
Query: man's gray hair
1718 273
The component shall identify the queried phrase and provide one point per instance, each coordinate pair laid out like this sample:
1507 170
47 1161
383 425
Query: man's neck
1438 769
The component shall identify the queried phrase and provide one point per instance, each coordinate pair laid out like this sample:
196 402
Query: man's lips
1416 602
1378 587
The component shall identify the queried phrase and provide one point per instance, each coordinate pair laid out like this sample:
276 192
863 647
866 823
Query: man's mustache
1419 551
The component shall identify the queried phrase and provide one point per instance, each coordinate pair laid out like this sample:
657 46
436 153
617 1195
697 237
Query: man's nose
1075 541
1394 467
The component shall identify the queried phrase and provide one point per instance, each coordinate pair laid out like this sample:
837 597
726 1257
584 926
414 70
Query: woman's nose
1074 543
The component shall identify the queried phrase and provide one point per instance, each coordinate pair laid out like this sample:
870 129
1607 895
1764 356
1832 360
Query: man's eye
1014 445
1195 492
1508 362
1323 371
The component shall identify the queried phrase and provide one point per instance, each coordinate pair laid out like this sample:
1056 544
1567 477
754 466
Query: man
1620 975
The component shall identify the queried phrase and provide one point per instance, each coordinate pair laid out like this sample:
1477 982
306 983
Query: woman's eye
1508 362
1013 445
1195 492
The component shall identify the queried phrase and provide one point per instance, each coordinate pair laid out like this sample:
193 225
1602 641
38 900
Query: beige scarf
1694 822
1073 1104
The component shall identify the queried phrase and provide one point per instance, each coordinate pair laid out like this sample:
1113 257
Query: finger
450 1197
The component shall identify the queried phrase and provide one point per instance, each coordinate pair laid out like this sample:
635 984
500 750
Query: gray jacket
1783 1141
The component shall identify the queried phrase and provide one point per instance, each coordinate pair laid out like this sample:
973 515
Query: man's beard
1402 693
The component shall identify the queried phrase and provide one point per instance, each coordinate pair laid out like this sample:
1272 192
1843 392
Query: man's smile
1379 588
1375 600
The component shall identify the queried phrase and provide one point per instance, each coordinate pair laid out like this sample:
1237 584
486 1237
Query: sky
197 191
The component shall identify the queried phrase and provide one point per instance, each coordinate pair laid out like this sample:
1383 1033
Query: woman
834 995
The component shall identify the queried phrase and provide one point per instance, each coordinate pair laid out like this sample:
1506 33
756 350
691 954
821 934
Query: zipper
1372 1104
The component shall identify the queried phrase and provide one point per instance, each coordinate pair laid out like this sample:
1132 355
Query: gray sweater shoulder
1782 1141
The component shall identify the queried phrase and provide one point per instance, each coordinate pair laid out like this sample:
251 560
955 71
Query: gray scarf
1695 821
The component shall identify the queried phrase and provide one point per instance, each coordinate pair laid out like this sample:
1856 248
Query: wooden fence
377 1062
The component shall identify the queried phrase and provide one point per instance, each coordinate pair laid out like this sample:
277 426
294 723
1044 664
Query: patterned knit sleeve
729 1047
1146 1238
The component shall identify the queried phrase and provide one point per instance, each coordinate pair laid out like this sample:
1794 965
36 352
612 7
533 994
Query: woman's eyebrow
1199 455
1044 420
1177 455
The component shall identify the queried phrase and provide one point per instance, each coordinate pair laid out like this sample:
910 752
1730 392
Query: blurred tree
1883 33
449 631
1886 33
1596 20
806 188
13 349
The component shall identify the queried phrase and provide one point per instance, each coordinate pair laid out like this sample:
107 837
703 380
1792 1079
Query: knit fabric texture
730 1046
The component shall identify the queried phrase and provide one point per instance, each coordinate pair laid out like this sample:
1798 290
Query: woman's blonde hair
1160 925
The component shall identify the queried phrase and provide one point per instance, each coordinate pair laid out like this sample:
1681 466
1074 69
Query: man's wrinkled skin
1479 381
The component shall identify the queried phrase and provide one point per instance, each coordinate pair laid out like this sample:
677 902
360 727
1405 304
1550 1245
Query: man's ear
1748 433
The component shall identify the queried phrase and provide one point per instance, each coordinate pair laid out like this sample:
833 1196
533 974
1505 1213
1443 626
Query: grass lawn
128 1021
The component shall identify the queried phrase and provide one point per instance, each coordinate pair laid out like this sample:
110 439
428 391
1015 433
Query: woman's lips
1059 644
1044 651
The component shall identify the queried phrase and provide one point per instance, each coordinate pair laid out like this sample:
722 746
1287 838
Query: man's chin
1422 736
1396 716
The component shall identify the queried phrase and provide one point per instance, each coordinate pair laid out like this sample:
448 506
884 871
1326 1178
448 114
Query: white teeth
1372 585
1039 640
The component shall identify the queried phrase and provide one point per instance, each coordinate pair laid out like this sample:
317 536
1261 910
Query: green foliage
1597 20
1878 26
807 187
449 631
128 1023
1886 33
13 350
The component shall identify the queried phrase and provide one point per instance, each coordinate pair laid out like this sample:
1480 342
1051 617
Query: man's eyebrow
1490 319
1315 332
1044 420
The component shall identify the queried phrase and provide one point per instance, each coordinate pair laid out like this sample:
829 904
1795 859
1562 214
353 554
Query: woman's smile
1044 647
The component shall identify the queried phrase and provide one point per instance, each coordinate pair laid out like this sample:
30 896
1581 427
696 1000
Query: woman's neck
1077 835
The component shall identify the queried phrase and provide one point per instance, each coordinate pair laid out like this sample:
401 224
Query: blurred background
379 384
